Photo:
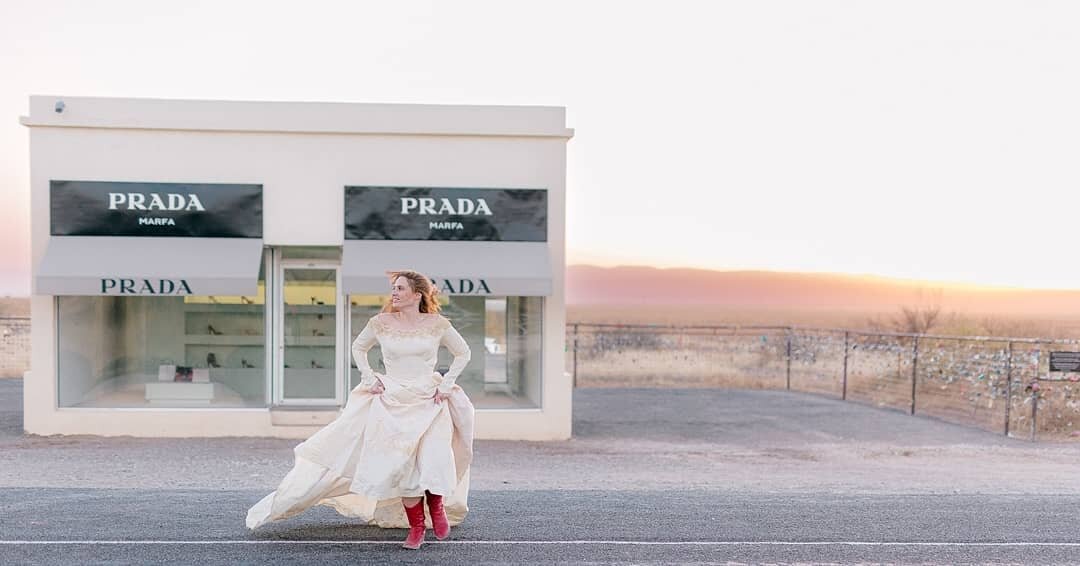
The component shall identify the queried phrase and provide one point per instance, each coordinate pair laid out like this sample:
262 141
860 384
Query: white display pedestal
182 393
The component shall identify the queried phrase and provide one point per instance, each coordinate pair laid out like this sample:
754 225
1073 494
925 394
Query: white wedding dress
388 446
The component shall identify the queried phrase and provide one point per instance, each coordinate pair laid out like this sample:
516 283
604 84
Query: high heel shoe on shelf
416 525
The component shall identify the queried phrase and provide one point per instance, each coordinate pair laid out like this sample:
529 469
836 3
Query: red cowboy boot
438 516
416 525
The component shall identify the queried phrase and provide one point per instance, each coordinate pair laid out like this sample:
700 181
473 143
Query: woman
402 438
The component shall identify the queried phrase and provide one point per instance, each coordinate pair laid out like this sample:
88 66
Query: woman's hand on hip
378 388
440 397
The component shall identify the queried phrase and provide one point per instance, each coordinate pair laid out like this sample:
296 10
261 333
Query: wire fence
999 384
14 345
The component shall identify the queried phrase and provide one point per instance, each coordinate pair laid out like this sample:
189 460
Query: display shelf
223 308
310 309
227 375
240 324
309 341
182 393
231 346
225 340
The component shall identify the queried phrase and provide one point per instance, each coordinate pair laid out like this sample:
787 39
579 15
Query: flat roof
296 117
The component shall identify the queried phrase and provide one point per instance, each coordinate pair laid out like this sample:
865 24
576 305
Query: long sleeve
457 346
364 342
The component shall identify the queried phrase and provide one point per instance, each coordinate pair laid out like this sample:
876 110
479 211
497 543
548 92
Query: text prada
463 286
171 201
145 286
428 205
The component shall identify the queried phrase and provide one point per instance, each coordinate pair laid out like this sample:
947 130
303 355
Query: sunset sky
931 140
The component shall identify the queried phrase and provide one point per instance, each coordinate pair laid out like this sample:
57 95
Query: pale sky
932 140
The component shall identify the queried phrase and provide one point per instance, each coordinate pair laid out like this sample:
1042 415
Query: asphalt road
78 526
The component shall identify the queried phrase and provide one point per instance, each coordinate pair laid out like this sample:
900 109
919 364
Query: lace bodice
410 355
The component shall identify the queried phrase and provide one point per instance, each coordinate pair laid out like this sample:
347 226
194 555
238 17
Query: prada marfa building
200 268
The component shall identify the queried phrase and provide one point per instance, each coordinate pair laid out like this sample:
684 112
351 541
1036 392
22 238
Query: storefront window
310 336
504 335
172 351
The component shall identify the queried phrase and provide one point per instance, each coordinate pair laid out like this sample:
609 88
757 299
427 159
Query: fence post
1035 391
788 356
914 369
1008 387
843 390
575 354
1034 407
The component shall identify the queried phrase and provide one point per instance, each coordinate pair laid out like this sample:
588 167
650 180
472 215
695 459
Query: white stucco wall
303 154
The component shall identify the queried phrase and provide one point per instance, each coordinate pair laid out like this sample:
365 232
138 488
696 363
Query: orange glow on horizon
930 284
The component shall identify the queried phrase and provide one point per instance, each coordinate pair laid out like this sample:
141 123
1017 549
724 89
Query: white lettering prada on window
428 205
171 201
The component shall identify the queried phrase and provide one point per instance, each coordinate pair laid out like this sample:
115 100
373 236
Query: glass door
309 334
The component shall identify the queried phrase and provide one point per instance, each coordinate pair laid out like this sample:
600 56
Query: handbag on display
183 374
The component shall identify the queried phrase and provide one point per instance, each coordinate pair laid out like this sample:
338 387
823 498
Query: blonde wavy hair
429 293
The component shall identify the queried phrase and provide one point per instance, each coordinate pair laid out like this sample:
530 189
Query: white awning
458 267
106 265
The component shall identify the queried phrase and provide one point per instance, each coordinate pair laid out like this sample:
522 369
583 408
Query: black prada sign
103 208
433 213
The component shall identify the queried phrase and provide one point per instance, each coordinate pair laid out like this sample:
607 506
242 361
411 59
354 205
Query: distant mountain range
589 285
